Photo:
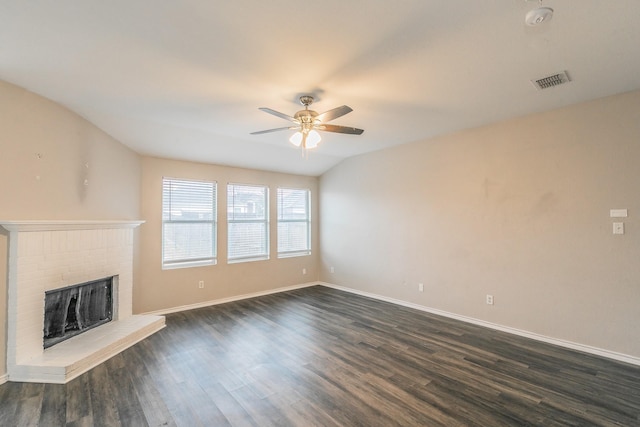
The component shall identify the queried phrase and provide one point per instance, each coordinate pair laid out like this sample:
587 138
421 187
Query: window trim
191 262
307 221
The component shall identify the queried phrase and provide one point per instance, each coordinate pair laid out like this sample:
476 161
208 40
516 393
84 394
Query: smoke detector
538 16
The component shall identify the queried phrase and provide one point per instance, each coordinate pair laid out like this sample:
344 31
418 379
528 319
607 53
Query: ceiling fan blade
278 114
334 113
341 129
273 130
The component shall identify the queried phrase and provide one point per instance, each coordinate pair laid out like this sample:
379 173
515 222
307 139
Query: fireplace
75 309
82 267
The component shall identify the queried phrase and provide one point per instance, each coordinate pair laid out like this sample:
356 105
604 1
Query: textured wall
519 210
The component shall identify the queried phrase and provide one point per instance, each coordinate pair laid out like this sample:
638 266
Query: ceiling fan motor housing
305 116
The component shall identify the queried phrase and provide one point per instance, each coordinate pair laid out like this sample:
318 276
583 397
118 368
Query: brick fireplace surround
47 255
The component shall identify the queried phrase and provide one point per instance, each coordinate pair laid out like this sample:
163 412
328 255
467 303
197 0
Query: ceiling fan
307 123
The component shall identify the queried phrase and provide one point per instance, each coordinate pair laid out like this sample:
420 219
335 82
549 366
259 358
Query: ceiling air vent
551 81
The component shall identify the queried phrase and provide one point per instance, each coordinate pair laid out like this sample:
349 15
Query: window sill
241 260
294 254
188 264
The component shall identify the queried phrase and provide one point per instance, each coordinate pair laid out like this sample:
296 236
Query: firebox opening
76 309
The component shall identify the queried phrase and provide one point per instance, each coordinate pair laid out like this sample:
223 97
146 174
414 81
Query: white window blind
248 222
188 223
294 222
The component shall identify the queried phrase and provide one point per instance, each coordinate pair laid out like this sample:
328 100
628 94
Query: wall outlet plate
618 228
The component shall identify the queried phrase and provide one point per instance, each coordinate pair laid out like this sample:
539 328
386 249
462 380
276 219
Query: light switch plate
618 213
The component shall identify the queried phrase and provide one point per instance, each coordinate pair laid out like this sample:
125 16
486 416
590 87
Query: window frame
265 222
306 221
190 261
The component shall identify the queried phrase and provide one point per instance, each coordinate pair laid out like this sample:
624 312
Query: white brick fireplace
47 255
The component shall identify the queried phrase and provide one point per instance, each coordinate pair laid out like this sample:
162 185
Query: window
294 222
248 221
188 223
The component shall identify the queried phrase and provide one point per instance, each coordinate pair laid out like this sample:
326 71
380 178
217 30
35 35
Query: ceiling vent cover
551 81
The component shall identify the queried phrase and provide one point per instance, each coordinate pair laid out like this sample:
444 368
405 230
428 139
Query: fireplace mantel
47 255
60 225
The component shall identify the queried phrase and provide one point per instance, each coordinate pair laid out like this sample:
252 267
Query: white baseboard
4 378
230 299
550 340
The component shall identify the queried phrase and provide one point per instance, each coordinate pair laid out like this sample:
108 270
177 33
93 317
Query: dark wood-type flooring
321 357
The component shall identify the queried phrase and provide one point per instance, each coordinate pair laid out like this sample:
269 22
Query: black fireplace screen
75 309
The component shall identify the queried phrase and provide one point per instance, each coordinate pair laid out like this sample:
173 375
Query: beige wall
519 210
46 154
162 289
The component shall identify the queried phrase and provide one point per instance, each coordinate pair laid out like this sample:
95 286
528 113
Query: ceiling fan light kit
308 123
311 141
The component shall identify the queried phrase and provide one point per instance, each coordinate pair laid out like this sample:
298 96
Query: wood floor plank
79 408
125 398
305 413
151 402
233 411
262 411
29 411
8 403
322 357
54 406
20 404
103 406
177 403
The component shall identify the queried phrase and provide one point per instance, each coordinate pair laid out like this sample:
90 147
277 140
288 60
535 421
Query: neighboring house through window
248 222
294 222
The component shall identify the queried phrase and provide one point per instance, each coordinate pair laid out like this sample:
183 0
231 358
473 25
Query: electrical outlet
618 228
421 287
304 271
201 284
489 299
333 270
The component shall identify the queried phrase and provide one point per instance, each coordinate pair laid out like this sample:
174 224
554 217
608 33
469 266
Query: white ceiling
184 79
